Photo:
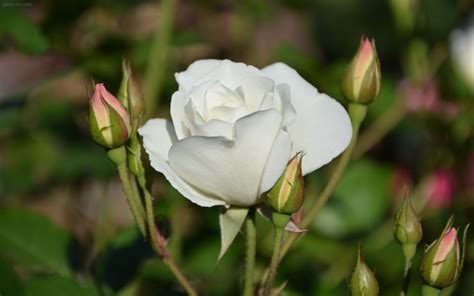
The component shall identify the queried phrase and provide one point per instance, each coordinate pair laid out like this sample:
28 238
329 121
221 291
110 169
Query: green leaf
230 222
33 242
26 34
58 286
9 282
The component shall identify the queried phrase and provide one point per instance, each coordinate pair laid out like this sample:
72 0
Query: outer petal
322 128
277 161
188 78
229 170
178 114
158 137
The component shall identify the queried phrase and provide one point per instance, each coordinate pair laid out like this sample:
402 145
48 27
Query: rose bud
287 195
361 82
131 96
408 231
109 124
442 262
363 281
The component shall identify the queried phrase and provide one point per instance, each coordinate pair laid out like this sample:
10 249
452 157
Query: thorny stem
158 242
278 236
251 234
127 188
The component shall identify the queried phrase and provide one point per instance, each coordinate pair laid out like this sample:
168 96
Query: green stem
158 56
158 242
430 291
250 253
127 187
274 263
380 128
406 281
137 196
357 113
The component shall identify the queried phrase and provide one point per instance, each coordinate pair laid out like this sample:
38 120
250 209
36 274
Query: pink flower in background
426 98
439 189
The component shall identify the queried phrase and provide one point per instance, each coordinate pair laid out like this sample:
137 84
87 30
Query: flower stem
430 291
158 242
406 281
380 128
127 187
357 113
275 260
250 253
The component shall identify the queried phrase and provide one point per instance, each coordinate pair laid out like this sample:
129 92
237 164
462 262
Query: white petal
188 78
277 161
322 128
213 128
230 74
158 137
229 170
177 110
287 109
254 89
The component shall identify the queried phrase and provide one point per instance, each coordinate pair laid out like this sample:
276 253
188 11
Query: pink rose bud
442 262
109 124
287 195
363 281
361 82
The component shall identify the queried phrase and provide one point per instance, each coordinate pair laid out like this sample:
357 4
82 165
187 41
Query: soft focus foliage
65 227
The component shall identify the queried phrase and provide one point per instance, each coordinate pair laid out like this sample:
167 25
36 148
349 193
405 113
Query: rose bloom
235 127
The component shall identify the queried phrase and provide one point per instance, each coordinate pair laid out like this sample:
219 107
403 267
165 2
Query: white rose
462 51
235 127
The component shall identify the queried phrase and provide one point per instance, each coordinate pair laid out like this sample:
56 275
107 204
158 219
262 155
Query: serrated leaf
230 222
33 242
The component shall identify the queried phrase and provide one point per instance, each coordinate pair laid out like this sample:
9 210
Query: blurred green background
65 228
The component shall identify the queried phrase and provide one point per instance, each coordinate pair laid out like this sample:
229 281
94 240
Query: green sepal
230 222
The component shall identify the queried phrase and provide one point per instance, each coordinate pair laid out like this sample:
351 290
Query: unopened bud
363 281
109 123
442 262
287 195
408 229
361 82
131 96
